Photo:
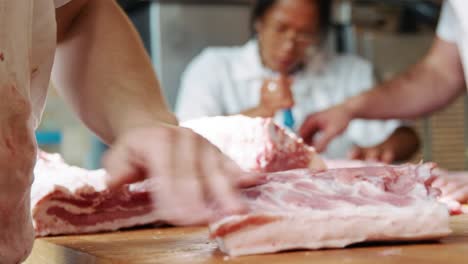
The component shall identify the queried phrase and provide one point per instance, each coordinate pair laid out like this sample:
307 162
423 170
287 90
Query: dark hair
262 6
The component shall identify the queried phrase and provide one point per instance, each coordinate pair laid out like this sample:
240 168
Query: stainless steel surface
179 32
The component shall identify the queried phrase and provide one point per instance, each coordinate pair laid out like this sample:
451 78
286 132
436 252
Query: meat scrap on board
72 200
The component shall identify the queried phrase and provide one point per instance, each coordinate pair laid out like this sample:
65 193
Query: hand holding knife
277 96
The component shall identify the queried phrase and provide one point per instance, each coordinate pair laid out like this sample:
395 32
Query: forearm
17 146
103 70
404 143
17 159
415 93
17 142
426 87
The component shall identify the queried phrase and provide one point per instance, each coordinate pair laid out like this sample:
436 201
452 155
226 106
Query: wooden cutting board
191 245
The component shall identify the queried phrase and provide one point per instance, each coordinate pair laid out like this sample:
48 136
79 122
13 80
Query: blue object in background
288 118
95 156
49 141
48 137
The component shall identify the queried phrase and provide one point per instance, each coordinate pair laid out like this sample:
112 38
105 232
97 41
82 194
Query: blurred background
392 34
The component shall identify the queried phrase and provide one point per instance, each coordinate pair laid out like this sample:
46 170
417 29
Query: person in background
283 69
102 70
430 85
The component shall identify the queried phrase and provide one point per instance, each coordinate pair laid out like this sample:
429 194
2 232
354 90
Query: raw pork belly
304 210
71 200
341 164
257 144
454 206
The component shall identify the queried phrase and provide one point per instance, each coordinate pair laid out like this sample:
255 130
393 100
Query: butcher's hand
192 175
453 186
320 128
399 146
373 154
275 95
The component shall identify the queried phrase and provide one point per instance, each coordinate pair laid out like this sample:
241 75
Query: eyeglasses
283 32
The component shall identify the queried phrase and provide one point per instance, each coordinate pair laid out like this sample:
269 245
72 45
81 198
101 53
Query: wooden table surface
191 245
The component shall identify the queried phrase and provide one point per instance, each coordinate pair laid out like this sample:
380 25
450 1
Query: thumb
324 139
120 168
249 179
310 127
242 178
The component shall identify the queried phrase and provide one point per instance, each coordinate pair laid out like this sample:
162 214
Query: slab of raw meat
454 206
257 144
71 200
304 210
340 164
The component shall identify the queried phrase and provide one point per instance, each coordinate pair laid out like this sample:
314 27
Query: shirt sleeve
448 24
60 3
367 133
200 93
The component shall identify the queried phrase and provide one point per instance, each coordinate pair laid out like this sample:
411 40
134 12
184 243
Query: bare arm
114 88
426 87
102 69
17 143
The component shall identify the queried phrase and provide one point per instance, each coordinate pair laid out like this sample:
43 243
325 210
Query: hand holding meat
373 154
320 128
398 147
191 173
